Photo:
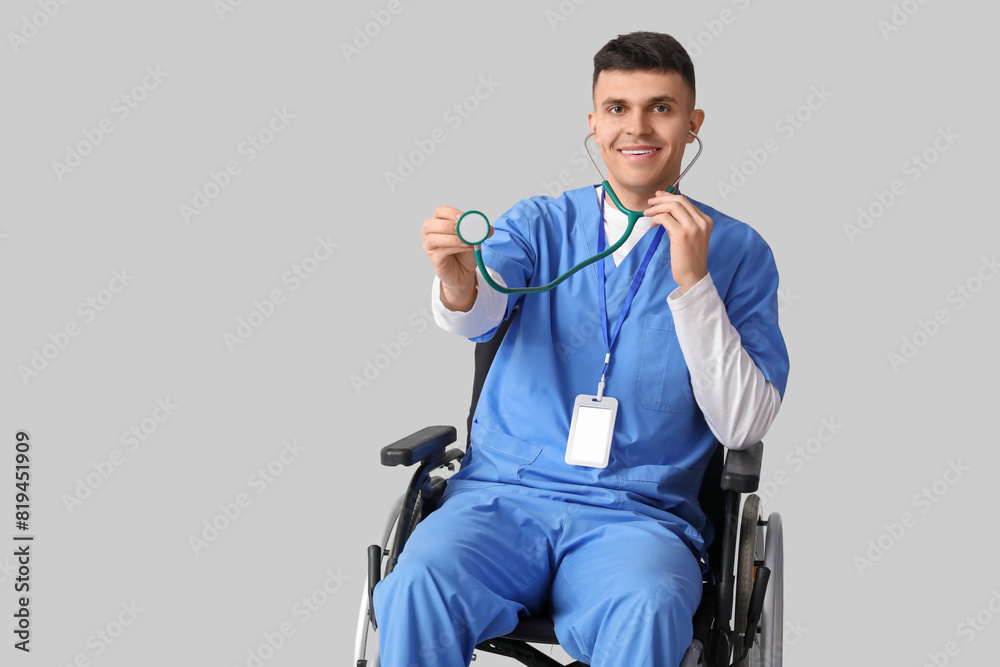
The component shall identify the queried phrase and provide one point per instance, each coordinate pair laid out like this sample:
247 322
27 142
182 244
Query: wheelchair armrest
418 446
741 471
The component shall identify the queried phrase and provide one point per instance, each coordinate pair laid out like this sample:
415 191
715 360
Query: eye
662 108
616 109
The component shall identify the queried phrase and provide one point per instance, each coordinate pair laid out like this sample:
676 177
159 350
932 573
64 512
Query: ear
697 118
592 121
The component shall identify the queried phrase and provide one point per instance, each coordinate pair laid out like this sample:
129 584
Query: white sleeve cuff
486 313
739 404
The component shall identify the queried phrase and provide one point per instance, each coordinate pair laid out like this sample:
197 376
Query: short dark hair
652 51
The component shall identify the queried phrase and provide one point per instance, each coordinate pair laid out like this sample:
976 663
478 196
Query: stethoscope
473 227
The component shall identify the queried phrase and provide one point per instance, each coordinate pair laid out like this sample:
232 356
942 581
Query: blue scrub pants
621 587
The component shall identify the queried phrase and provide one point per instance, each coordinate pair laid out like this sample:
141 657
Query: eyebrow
658 99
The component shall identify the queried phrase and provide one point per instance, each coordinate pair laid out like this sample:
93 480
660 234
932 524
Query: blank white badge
591 431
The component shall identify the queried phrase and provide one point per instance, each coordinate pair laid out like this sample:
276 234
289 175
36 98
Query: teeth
638 152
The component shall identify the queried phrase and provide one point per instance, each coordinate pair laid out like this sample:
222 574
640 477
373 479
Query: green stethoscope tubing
633 217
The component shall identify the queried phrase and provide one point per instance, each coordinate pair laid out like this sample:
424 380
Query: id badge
591 431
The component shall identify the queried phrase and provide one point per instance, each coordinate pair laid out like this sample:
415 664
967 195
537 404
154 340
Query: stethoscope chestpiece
473 228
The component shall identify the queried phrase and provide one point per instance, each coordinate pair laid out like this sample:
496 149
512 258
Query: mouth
639 152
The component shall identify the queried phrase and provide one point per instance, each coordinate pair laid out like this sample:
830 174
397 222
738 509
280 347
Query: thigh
625 591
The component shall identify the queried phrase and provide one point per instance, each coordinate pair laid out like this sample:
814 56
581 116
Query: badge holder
592 429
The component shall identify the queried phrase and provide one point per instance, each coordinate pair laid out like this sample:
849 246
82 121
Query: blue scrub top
554 351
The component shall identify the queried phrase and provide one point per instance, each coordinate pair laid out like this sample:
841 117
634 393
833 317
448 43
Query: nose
639 124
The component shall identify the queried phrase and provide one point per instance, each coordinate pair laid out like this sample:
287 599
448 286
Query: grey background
161 337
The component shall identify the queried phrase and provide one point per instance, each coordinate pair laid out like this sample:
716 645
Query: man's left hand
689 230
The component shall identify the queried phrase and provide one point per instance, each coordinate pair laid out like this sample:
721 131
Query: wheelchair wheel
745 565
771 620
366 649
418 513
756 649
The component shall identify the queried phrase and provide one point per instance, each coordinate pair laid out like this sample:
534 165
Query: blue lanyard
602 300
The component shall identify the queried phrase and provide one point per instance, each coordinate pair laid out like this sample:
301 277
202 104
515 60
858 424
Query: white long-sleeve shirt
739 404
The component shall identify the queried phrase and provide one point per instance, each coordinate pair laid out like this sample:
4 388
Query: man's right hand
454 261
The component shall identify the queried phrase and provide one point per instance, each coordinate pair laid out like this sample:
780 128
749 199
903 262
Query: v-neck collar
618 279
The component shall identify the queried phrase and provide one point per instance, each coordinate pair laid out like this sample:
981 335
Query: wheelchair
739 620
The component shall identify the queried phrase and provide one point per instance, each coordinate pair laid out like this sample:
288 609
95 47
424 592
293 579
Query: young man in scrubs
615 554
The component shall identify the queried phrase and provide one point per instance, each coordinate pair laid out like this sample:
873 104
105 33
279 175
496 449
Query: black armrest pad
741 472
418 446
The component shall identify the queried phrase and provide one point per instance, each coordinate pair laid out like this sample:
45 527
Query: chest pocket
662 381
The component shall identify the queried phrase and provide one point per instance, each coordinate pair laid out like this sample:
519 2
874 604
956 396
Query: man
615 554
